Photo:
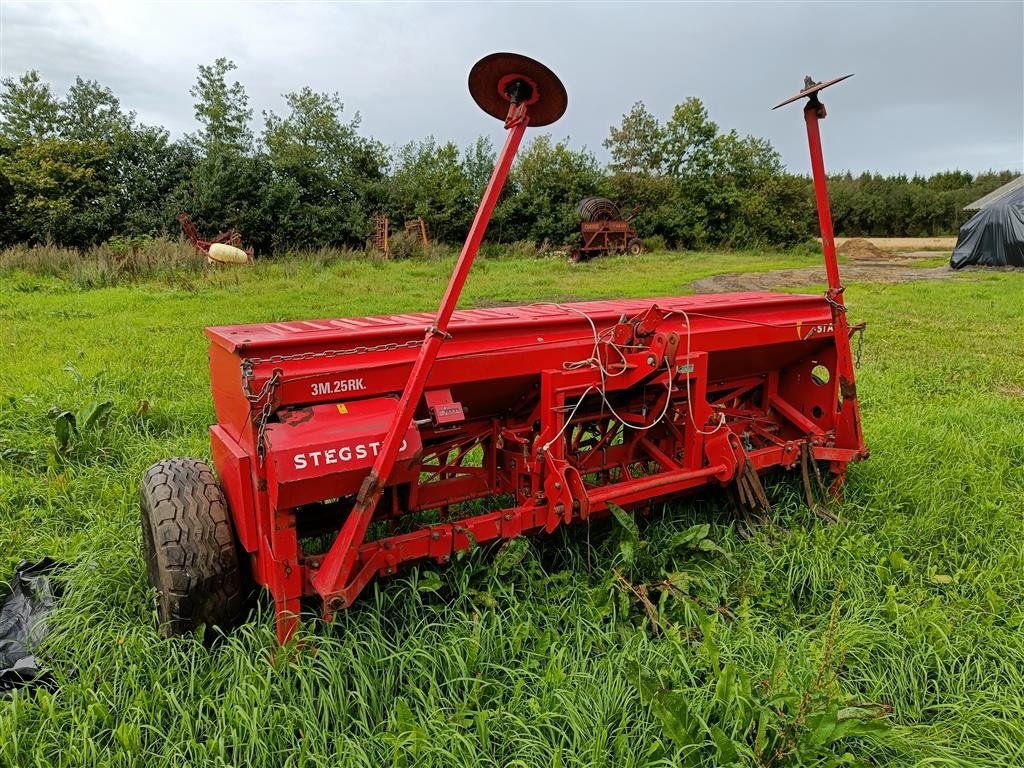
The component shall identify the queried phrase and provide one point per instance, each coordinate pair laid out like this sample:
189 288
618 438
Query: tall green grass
895 637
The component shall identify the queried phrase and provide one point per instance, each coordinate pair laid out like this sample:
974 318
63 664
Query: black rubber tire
635 247
190 548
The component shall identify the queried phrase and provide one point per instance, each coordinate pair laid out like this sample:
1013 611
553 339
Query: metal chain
331 353
860 331
265 411
247 377
834 303
265 395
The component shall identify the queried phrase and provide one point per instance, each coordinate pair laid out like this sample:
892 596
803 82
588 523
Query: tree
136 178
59 191
778 212
91 112
221 109
152 173
143 169
428 179
478 164
229 186
755 202
28 110
546 184
688 147
659 208
80 169
230 190
55 189
330 171
691 158
637 145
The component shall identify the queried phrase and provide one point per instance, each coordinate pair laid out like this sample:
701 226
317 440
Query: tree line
82 169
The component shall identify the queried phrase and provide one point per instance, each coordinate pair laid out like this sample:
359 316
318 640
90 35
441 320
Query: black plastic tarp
23 616
993 237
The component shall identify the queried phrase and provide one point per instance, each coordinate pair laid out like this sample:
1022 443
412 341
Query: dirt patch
905 243
859 249
890 271
1011 390
912 255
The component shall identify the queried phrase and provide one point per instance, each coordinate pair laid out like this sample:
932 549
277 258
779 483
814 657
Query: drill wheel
190 548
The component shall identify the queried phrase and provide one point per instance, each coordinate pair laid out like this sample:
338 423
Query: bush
405 245
655 243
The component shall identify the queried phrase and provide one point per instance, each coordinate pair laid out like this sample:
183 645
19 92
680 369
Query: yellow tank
227 254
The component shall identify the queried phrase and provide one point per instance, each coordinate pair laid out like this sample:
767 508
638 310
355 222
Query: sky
937 85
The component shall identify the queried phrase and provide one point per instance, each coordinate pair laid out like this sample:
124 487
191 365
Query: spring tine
752 501
821 482
823 511
805 474
748 526
742 491
819 509
748 523
824 514
758 489
744 528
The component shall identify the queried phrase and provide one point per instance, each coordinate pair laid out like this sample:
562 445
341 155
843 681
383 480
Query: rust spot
847 388
295 416
369 485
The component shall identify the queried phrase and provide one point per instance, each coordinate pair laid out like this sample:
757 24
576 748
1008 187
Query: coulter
345 449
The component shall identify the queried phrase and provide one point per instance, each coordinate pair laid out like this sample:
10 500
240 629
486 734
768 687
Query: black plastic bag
23 615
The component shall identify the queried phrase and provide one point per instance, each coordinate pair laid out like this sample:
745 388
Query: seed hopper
348 448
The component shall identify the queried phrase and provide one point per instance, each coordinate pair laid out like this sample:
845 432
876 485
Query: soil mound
815 276
860 249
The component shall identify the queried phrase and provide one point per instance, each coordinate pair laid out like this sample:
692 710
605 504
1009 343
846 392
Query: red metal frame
349 447
848 409
605 236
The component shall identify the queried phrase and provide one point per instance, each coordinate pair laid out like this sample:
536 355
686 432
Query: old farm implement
347 448
225 248
604 230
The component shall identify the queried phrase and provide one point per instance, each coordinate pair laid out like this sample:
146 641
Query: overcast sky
937 85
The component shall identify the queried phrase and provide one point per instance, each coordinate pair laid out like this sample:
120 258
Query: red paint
847 407
324 451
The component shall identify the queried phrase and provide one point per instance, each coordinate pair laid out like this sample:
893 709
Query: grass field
895 637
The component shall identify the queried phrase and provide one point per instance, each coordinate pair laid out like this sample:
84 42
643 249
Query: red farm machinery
345 449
